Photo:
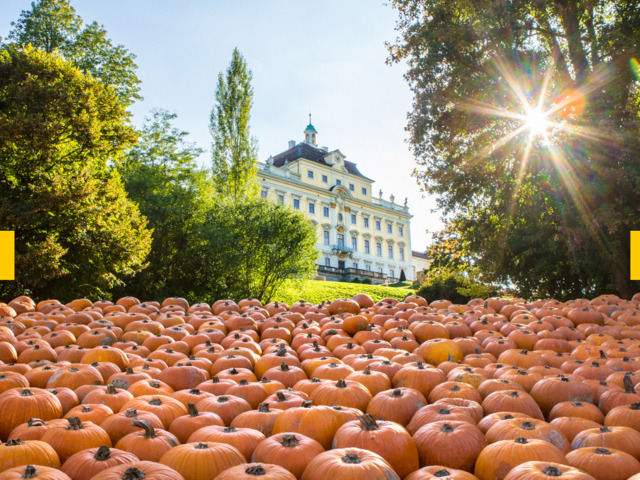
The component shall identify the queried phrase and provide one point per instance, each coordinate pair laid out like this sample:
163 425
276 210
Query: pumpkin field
496 389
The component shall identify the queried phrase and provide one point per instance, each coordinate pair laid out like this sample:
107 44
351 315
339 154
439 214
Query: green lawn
316 291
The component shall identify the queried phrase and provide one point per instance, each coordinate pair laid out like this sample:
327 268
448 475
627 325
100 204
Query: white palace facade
359 235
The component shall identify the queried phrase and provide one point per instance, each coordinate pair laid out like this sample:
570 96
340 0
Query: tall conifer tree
234 151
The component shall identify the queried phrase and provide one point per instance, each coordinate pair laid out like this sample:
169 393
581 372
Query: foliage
161 175
234 151
454 286
53 25
76 232
259 245
549 210
403 277
316 291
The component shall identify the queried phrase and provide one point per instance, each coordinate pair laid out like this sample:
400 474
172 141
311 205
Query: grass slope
316 291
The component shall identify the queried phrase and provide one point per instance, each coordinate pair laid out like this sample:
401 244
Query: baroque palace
359 235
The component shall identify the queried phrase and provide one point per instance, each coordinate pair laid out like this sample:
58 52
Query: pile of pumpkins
497 389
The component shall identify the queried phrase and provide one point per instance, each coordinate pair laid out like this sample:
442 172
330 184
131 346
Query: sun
536 122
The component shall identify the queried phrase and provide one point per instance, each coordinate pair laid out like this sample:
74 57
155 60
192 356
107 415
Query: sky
327 58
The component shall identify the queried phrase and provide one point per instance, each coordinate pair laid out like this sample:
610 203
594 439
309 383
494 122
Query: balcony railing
356 272
342 248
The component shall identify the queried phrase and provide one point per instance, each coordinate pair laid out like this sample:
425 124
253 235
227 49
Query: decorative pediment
366 235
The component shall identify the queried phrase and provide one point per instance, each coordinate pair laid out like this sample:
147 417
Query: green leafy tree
234 151
259 244
525 126
53 25
60 132
162 176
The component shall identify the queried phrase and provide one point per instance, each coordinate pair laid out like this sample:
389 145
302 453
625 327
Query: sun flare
536 122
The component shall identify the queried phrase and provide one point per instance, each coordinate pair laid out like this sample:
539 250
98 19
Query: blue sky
326 58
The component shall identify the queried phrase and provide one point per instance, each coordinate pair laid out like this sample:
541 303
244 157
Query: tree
525 125
53 25
259 244
234 151
60 134
161 175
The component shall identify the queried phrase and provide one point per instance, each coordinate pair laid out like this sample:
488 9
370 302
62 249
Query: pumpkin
319 422
183 427
455 444
120 424
397 405
433 472
262 419
84 464
244 439
625 439
349 463
250 471
227 407
39 472
292 451
528 428
18 452
149 443
138 471
166 408
19 405
546 470
346 393
386 438
74 435
497 459
202 461
603 463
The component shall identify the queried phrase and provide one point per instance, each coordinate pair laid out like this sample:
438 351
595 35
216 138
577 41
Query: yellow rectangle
7 255
635 255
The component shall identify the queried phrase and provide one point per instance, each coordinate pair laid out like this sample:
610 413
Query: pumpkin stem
368 422
201 446
36 422
289 441
131 413
442 473
29 472
635 406
194 391
223 399
521 440
215 379
367 370
628 384
604 430
602 355
263 408
527 426
306 404
193 411
284 367
156 402
420 365
103 453
282 350
26 393
13 442
281 397
255 470
149 431
552 471
351 458
111 389
602 451
397 393
133 474
446 428
74 423
341 383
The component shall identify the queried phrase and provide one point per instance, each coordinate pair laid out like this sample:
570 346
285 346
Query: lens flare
635 67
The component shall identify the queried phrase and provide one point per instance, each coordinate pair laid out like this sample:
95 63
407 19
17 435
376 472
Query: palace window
379 249
296 204
367 247
325 237
310 173
312 208
325 212
325 179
